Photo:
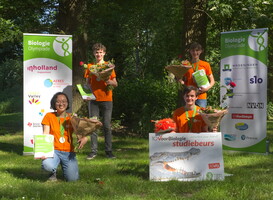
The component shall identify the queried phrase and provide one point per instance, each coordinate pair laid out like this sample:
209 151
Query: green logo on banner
257 40
62 46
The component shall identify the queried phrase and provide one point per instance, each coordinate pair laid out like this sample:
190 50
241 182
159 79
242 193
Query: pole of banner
267 147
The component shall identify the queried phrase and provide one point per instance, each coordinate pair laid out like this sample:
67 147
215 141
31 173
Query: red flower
180 56
232 84
81 63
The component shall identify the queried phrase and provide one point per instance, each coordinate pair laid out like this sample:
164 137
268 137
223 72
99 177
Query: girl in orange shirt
57 123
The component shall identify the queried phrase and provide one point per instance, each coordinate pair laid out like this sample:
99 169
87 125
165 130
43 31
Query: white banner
244 62
47 70
186 156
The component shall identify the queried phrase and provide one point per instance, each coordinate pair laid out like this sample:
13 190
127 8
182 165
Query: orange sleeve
86 72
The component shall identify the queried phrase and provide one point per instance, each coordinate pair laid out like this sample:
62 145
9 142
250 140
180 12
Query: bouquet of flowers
178 67
84 126
101 70
213 116
166 125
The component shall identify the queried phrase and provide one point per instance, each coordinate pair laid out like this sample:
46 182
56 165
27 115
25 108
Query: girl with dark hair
57 123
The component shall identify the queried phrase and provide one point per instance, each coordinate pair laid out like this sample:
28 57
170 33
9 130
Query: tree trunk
71 21
195 24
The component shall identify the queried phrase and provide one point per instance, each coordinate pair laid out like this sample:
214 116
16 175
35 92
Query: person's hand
43 158
109 82
87 99
180 81
82 141
215 129
203 90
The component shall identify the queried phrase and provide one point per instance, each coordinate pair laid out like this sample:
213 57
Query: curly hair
98 46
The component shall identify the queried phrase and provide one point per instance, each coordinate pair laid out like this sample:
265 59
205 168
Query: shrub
138 101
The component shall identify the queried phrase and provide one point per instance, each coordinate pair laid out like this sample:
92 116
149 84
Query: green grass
126 177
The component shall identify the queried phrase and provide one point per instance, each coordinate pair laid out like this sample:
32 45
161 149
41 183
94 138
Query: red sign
214 165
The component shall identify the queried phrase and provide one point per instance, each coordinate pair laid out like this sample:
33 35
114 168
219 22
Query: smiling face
61 103
195 54
99 55
190 98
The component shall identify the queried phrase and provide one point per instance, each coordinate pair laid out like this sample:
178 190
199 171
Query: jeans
201 103
68 162
105 108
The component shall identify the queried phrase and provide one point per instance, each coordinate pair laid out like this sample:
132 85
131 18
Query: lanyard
62 125
190 120
197 65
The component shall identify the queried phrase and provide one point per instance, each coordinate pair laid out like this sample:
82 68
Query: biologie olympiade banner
244 62
47 70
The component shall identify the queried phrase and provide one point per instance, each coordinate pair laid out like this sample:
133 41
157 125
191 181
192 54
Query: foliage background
142 36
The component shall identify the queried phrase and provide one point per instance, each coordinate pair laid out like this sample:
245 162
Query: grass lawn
126 177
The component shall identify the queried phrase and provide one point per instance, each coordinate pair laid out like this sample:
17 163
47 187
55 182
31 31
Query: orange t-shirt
99 87
51 120
189 80
182 125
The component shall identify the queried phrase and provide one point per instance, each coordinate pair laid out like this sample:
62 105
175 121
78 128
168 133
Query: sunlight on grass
127 177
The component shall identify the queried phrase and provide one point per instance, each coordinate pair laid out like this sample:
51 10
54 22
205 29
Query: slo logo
48 83
255 80
257 40
63 46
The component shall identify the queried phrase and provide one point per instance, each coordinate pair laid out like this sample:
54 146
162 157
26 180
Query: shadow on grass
11 123
134 169
29 173
11 148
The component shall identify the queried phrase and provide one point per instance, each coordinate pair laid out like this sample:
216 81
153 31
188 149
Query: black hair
54 99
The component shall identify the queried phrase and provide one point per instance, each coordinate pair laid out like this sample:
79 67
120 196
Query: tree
194 23
71 20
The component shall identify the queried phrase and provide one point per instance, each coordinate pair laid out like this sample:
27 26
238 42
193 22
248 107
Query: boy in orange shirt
197 64
187 118
103 103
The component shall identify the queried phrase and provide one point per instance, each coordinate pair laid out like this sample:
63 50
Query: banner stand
244 57
47 70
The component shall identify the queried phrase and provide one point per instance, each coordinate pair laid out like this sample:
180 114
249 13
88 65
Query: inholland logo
63 46
257 40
